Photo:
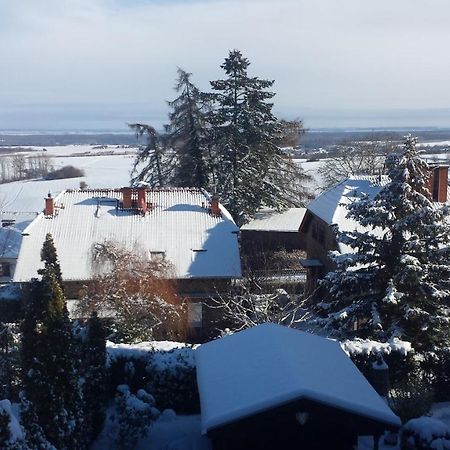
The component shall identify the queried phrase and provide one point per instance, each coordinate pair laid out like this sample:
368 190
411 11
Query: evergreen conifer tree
396 280
94 387
49 366
154 163
187 130
252 170
50 259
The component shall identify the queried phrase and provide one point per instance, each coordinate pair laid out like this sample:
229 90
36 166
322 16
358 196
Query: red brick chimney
142 199
215 209
49 205
439 183
126 197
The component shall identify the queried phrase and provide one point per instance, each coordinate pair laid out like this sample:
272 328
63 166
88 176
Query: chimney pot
126 197
142 199
215 209
439 184
49 205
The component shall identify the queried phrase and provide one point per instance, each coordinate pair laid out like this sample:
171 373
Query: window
195 314
5 270
157 256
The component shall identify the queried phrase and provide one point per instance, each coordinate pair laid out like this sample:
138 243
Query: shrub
135 415
65 172
437 365
425 433
412 398
173 382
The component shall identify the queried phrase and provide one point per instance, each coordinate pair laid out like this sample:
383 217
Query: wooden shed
275 387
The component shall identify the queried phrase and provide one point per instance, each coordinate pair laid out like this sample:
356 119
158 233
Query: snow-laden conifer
394 281
187 134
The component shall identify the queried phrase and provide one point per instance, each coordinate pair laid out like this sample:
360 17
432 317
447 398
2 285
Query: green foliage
411 398
396 282
251 169
50 259
187 134
227 141
154 163
48 358
136 414
95 376
173 387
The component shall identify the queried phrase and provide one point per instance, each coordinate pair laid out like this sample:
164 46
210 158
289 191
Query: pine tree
396 281
49 367
94 387
252 170
154 163
187 131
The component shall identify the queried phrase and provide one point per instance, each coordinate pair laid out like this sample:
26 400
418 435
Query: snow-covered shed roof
269 365
271 220
178 227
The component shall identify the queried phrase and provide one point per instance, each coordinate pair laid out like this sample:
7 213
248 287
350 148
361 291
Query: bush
425 433
174 386
65 172
135 415
411 399
437 365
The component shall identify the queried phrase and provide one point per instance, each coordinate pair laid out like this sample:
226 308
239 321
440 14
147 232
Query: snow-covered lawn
169 432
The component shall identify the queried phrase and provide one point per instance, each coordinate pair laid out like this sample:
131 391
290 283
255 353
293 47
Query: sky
100 64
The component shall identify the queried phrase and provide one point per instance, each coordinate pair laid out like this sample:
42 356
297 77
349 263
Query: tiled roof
179 224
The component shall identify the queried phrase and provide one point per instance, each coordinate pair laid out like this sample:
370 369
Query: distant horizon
114 119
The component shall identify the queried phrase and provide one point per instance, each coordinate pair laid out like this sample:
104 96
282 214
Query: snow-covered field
106 167
103 168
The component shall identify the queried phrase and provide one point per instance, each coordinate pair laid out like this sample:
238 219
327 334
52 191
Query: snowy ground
109 167
172 432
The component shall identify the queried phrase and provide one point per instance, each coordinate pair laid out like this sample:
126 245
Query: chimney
49 205
215 209
142 199
126 197
439 183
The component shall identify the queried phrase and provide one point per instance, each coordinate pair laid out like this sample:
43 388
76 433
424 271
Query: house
276 387
185 227
272 230
12 226
327 214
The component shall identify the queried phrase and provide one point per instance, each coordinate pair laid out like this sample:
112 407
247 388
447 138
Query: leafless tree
246 309
136 293
366 158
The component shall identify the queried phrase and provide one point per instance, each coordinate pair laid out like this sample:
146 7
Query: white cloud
323 54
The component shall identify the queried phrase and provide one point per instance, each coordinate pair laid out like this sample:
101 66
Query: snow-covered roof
179 228
12 226
267 366
272 220
331 205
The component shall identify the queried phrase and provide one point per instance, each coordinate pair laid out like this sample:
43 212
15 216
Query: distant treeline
48 140
318 139
19 167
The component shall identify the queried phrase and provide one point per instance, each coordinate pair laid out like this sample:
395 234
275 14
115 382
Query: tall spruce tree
252 170
396 280
49 366
187 131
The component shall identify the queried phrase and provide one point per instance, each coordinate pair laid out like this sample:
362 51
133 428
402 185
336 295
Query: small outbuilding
275 387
